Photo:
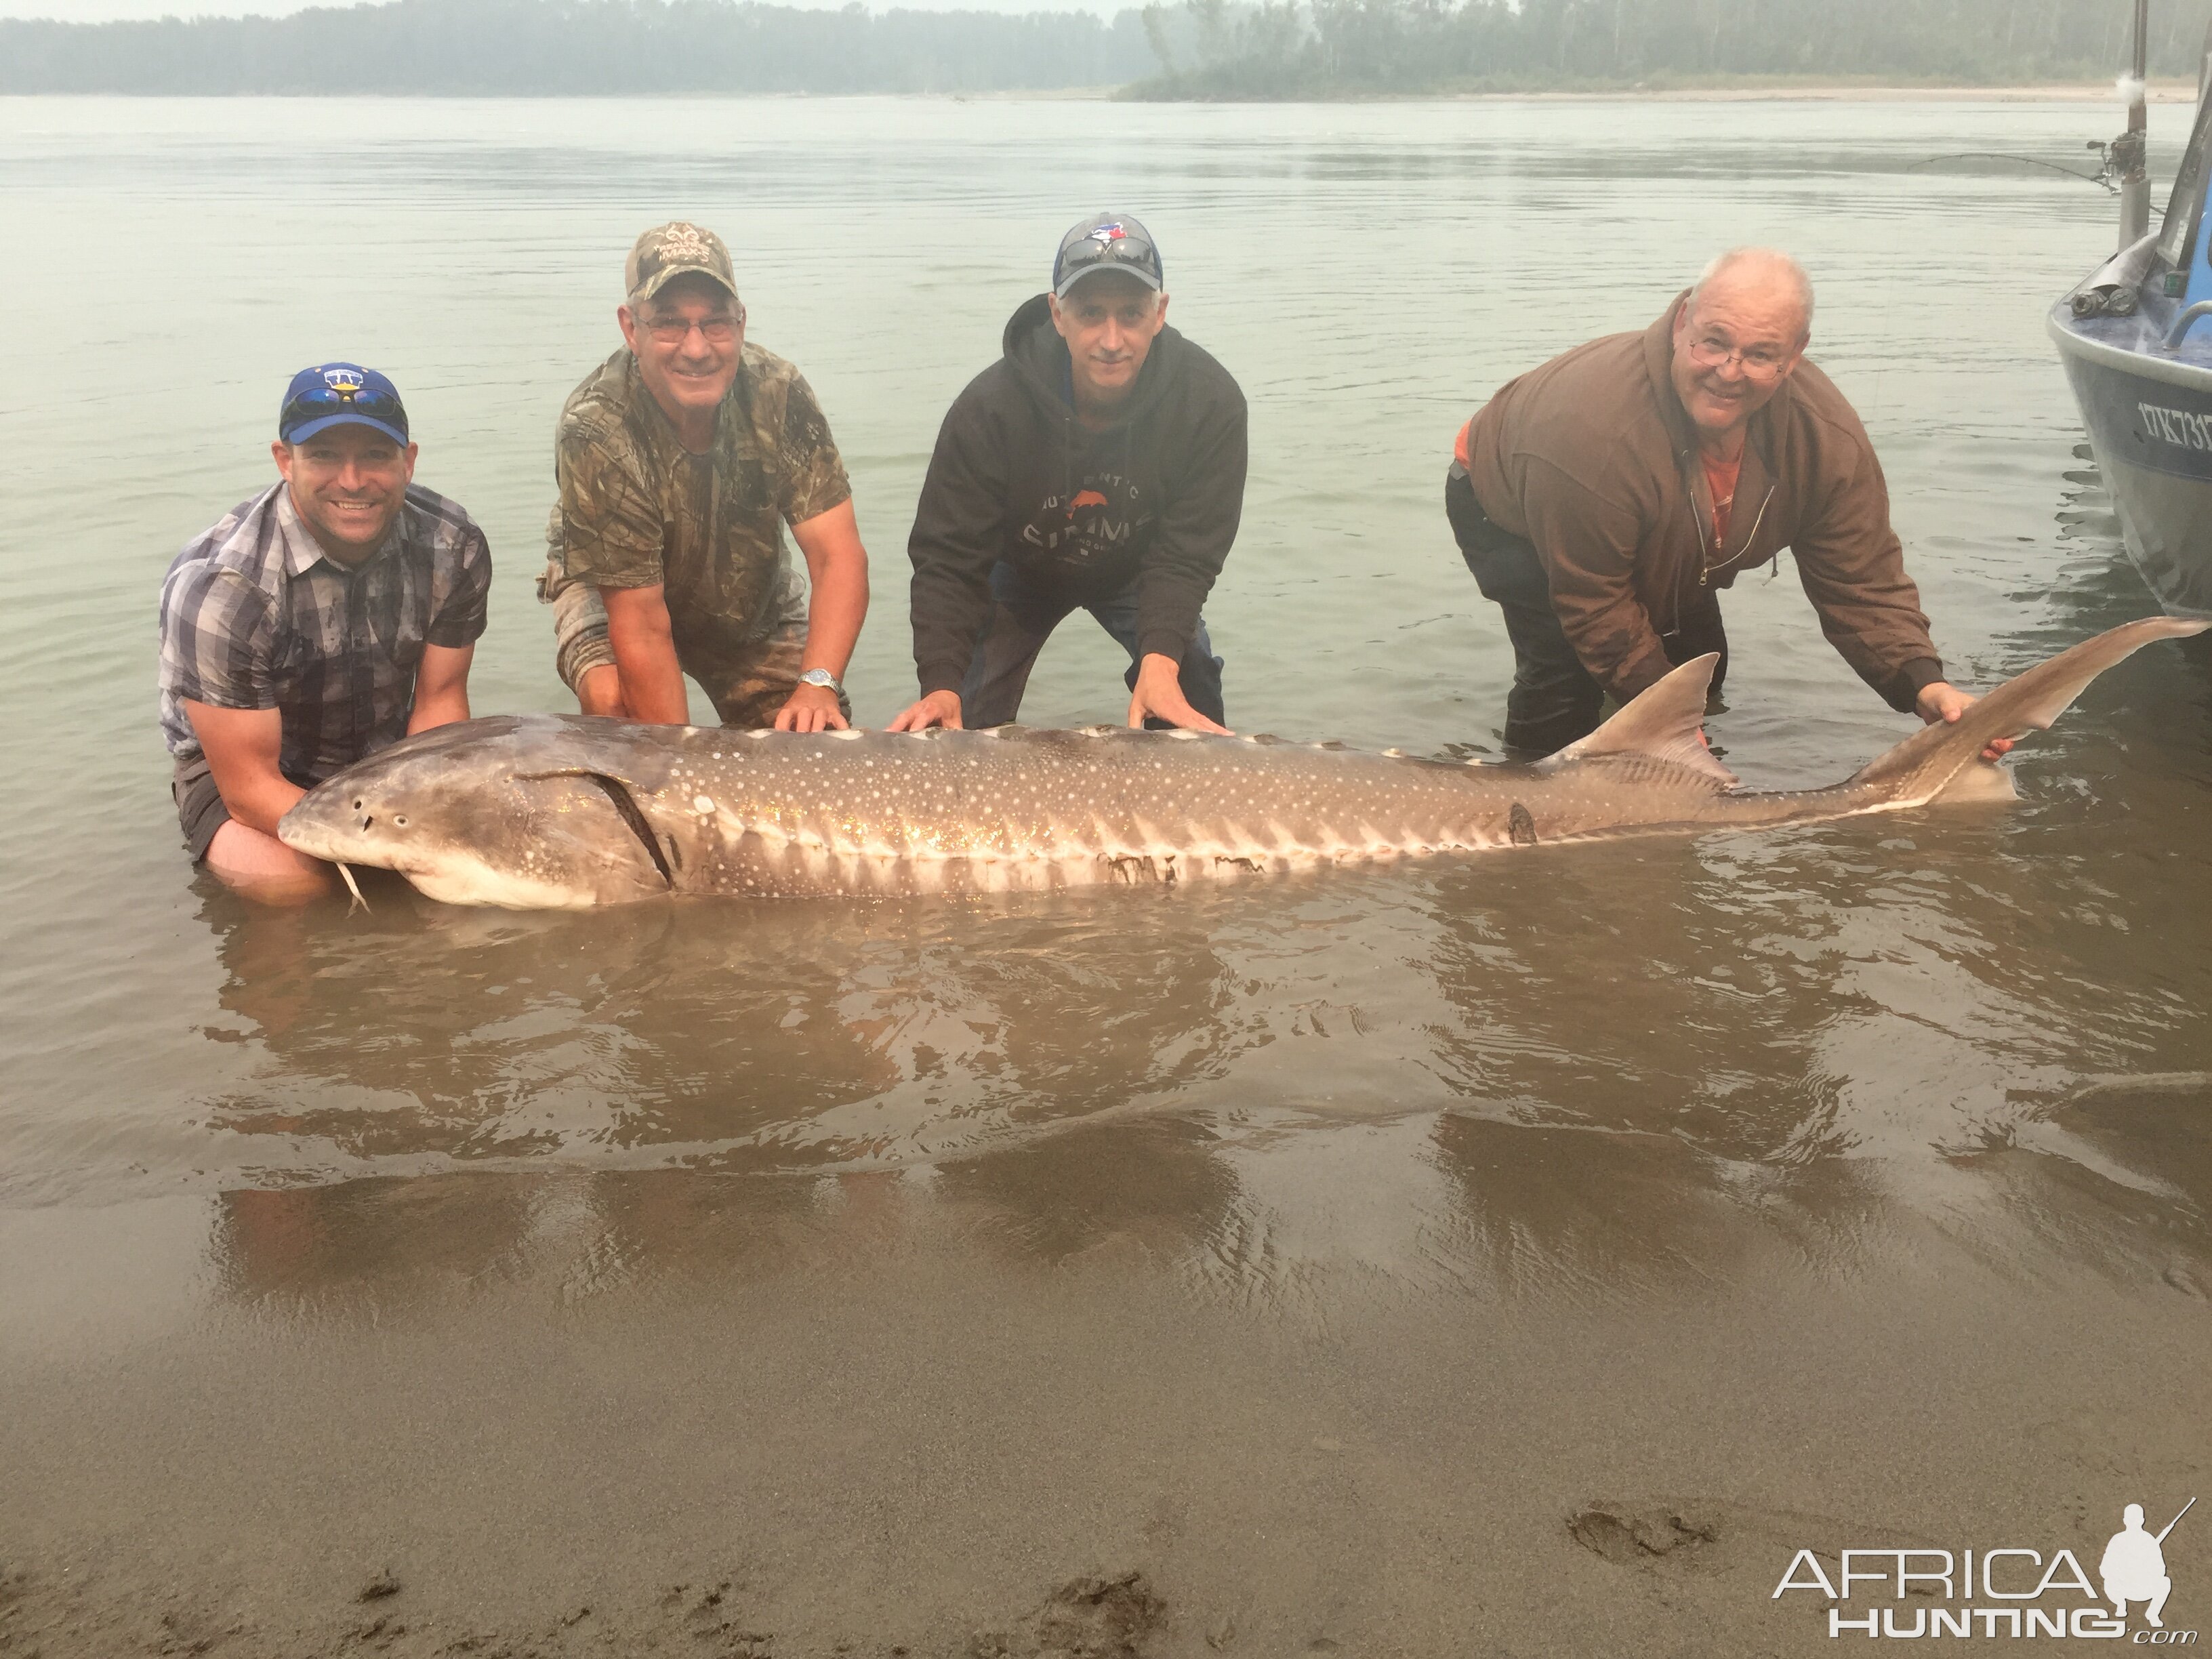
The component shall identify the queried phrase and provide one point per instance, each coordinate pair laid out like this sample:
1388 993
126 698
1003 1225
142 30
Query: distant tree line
1287 48
577 48
1194 49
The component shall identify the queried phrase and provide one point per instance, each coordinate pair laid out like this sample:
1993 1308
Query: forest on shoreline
1194 49
1335 48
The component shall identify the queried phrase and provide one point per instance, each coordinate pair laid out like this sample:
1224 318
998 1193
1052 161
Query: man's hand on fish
811 708
1159 693
1946 702
937 708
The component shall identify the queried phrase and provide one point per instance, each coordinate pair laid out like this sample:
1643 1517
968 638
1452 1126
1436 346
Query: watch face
821 676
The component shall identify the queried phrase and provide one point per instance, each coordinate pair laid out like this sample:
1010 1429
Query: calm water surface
1992 1019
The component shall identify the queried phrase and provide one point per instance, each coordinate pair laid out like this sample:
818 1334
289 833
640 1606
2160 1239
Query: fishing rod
2111 174
2103 176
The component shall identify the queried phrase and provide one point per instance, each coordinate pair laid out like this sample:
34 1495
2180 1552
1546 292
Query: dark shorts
749 685
199 804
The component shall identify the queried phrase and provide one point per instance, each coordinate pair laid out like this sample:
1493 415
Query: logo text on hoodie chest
1101 516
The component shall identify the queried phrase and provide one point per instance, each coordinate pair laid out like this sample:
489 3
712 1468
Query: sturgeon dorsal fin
1662 722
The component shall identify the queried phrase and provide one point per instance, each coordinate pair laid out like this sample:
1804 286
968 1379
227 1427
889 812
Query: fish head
486 811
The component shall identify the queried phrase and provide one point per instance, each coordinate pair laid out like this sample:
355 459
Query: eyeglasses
675 331
1758 362
320 402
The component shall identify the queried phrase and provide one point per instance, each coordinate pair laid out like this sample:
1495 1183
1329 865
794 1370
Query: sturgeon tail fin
1926 764
1662 722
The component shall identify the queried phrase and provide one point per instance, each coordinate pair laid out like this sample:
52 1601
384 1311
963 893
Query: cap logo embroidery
684 242
343 381
1106 234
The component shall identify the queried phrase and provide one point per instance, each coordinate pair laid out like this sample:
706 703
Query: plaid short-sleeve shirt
255 615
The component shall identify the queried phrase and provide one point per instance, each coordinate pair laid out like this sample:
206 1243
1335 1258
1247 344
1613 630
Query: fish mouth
302 831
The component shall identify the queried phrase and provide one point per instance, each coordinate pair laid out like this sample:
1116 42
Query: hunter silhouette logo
2133 1566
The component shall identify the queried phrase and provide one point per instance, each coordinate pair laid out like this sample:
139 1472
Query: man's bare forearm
837 572
442 687
645 656
258 799
254 792
243 747
835 612
440 708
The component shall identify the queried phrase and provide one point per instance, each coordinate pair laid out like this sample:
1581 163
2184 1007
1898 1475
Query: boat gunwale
2197 377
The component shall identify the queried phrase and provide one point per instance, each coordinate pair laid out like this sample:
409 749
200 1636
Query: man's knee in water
262 867
598 691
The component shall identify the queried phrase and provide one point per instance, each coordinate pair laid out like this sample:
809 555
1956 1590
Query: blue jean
1024 613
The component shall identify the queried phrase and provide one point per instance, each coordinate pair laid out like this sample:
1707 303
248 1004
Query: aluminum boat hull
2149 417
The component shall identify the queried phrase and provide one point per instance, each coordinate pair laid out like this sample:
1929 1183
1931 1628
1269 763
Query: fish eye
357 804
399 821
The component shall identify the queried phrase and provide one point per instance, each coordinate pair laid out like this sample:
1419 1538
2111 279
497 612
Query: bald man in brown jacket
1604 499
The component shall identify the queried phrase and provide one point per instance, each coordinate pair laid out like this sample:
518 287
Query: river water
1320 1249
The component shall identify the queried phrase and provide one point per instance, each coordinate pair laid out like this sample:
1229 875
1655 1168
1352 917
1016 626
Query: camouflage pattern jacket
637 507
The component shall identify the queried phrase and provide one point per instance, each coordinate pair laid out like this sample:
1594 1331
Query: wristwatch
823 677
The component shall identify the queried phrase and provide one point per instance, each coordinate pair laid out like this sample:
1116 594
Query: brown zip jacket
1592 458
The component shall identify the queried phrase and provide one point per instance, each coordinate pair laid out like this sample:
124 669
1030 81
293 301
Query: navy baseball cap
336 394
1106 241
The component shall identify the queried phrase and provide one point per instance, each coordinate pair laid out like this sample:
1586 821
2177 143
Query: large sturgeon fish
543 810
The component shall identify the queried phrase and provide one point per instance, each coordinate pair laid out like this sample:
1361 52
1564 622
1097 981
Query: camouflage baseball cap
678 248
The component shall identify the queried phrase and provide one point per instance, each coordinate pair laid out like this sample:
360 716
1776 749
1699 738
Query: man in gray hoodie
1099 466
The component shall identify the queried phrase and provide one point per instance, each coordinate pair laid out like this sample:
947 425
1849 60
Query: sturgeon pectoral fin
626 807
1663 722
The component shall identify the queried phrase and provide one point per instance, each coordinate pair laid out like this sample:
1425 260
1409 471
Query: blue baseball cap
339 394
1106 241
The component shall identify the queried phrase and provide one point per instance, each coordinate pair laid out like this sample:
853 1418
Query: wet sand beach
1523 1256
865 1429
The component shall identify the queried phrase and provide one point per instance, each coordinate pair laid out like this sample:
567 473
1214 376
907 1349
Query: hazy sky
104 11
101 11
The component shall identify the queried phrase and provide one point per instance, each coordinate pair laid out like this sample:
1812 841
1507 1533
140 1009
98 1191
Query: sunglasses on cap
1111 247
323 404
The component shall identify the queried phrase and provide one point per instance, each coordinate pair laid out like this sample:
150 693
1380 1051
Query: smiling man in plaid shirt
330 615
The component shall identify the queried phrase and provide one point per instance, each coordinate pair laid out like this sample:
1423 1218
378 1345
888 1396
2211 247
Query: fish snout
343 822
364 814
